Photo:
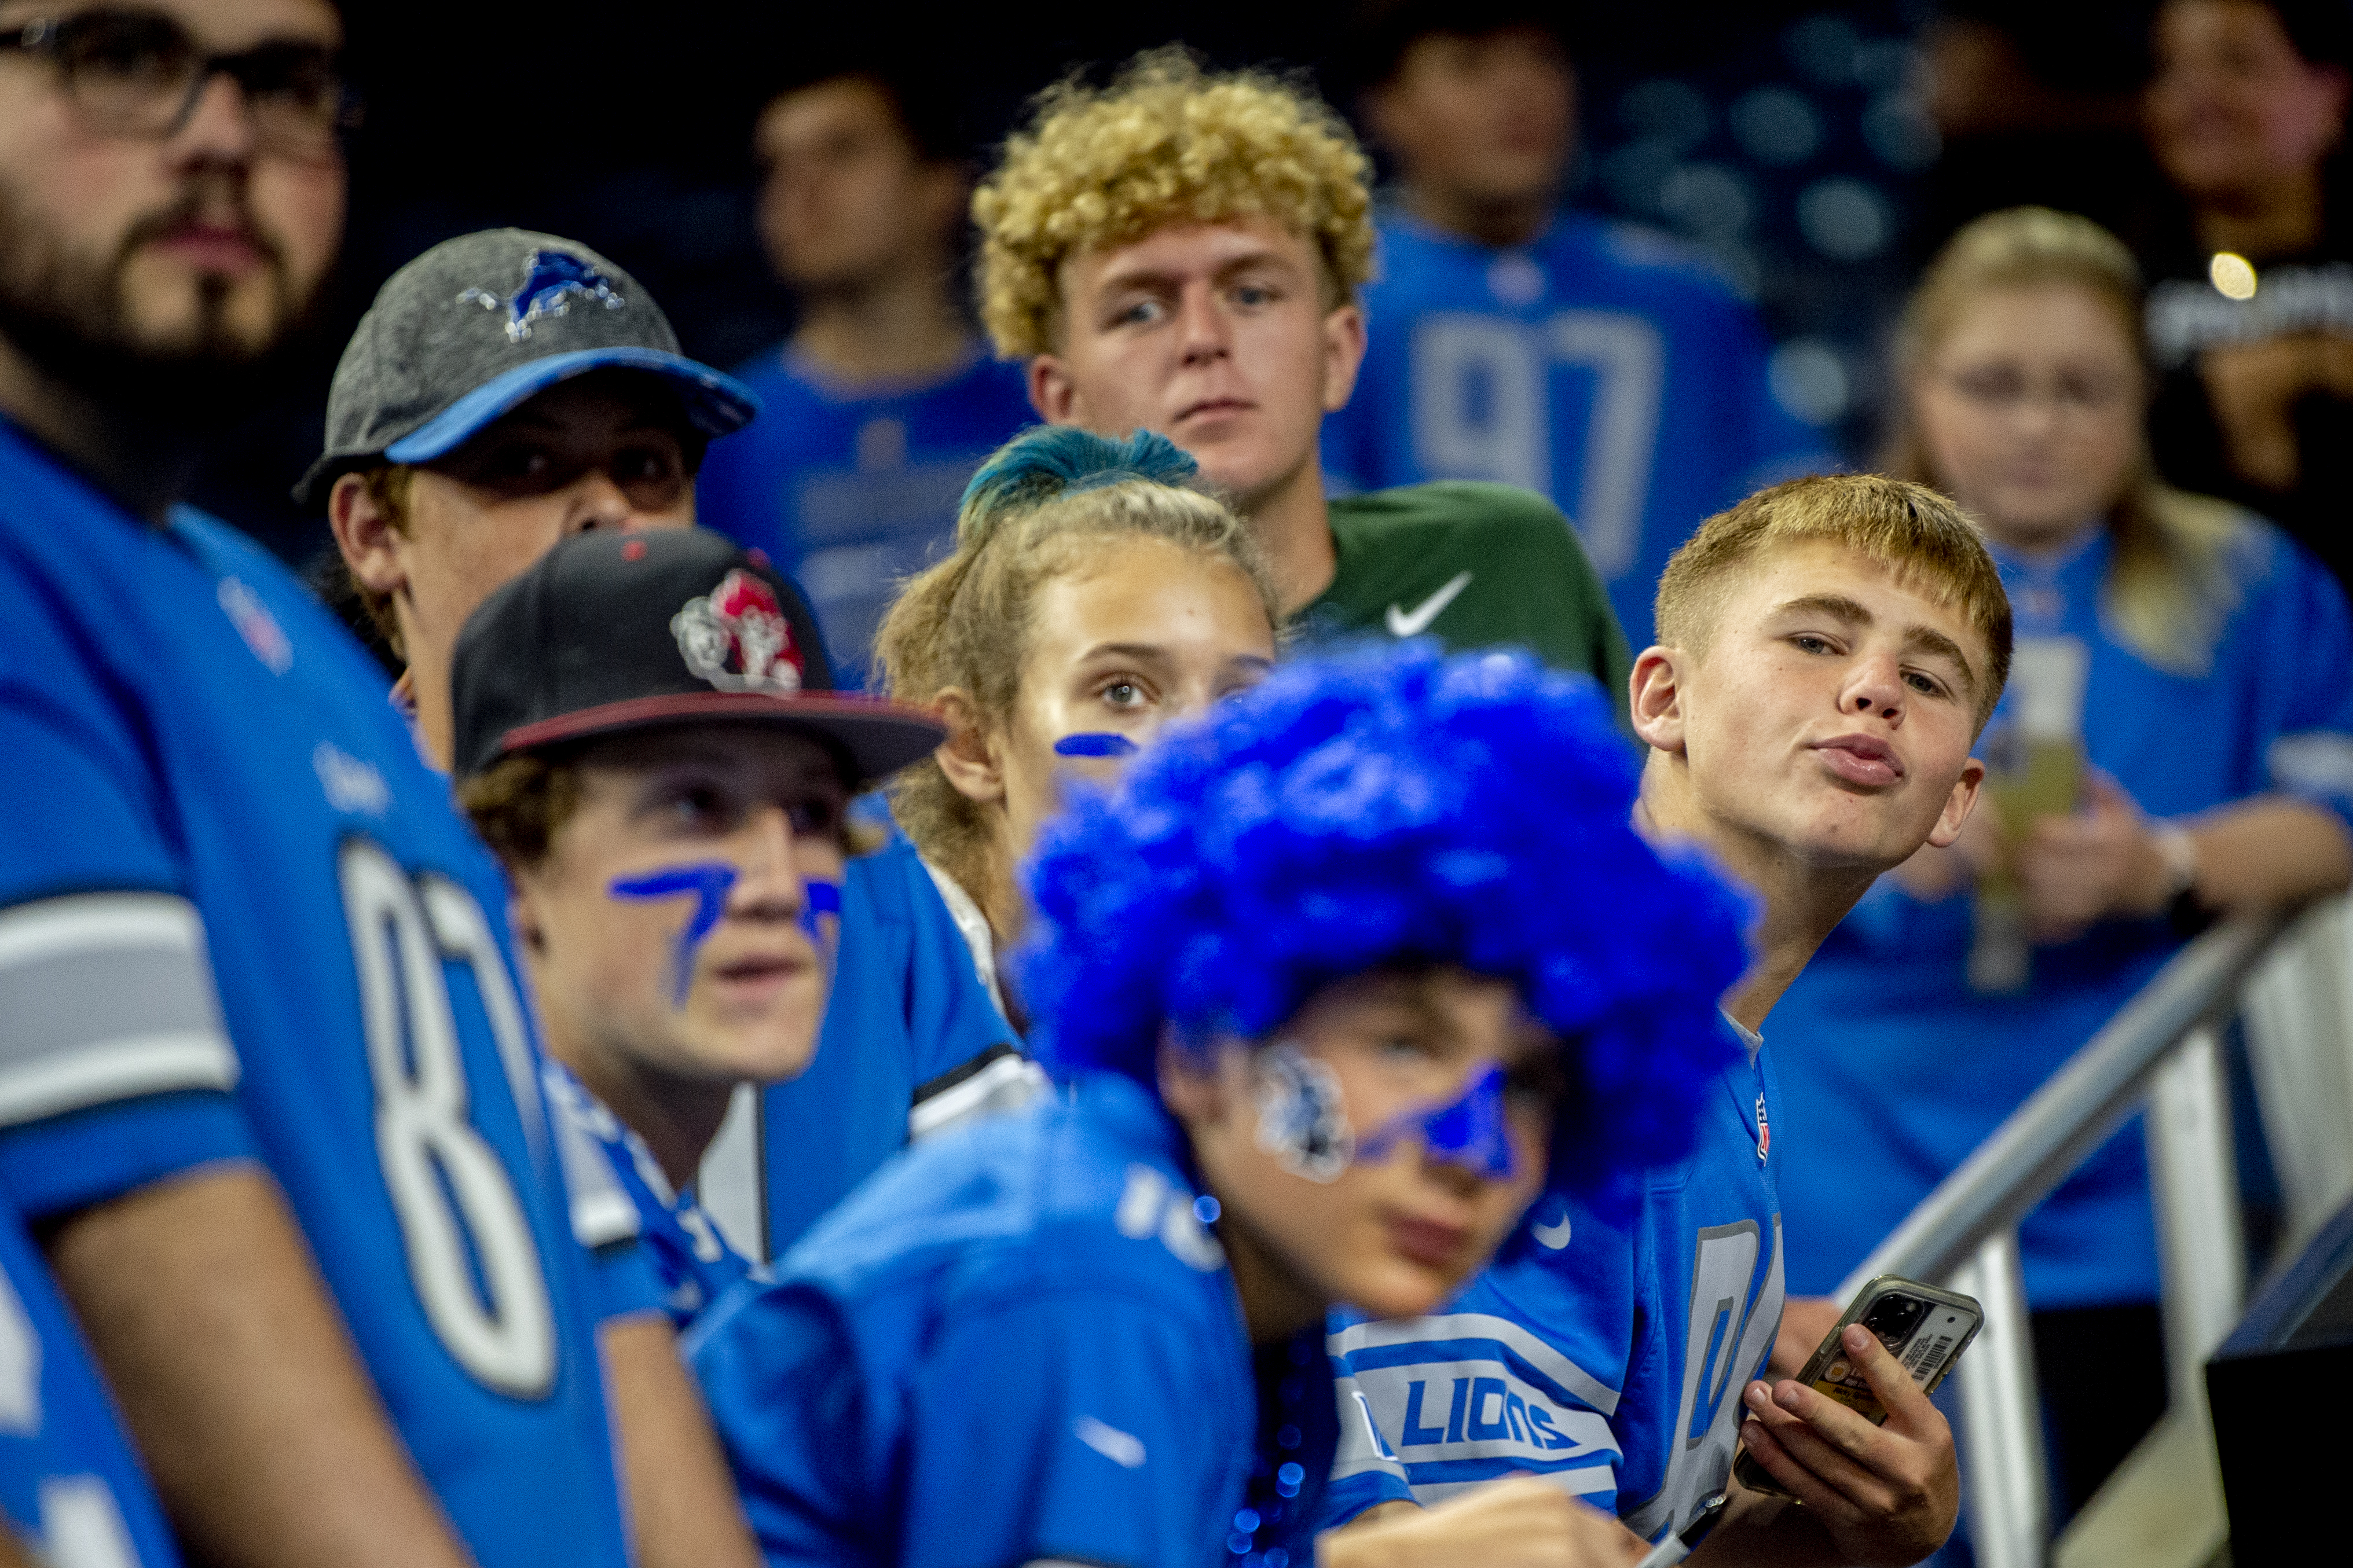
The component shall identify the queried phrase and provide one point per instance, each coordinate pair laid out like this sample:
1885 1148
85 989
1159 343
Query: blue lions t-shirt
851 490
70 1484
911 1040
1606 1355
1603 365
1897 1069
1018 1342
240 918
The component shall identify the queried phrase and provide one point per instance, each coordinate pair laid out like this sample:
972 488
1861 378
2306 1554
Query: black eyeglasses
138 73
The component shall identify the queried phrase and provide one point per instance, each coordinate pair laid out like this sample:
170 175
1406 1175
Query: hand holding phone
1882 1492
1924 1328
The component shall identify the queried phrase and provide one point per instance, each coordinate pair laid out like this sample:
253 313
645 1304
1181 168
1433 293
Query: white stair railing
2161 1053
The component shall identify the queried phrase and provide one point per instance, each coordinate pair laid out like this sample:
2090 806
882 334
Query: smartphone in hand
1924 1328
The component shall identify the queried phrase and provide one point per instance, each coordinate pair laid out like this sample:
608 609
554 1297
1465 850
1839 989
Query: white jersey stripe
1480 1326
96 1073
99 921
106 996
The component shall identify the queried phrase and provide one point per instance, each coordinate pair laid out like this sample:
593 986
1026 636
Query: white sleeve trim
106 996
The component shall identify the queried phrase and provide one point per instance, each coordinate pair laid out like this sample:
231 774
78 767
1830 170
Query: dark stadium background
1790 140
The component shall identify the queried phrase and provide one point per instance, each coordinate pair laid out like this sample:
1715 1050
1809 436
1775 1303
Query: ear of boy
366 534
1655 697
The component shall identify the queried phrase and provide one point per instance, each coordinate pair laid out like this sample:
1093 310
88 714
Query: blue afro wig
1389 805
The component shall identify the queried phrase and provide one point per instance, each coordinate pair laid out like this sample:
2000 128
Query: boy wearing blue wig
1341 978
1829 650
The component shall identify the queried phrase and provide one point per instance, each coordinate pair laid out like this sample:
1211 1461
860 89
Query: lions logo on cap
737 639
552 280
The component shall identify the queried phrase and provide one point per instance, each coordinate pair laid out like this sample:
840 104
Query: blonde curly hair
1166 143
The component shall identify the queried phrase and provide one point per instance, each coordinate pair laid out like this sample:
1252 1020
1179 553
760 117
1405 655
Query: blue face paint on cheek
821 900
710 882
1095 743
1469 1130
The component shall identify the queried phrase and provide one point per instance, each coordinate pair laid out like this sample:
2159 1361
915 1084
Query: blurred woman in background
2251 314
2176 744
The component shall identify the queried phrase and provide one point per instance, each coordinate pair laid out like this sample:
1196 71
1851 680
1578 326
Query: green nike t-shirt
1475 565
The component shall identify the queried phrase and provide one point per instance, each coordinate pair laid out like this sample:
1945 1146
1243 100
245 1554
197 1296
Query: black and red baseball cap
616 631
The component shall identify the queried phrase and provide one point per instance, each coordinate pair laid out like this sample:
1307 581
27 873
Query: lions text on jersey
1014 1344
1606 1356
1601 365
69 1482
238 917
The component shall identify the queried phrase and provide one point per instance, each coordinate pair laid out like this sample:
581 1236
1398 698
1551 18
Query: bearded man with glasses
267 1097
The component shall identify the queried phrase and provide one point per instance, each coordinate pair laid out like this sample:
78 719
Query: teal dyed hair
1050 503
1052 461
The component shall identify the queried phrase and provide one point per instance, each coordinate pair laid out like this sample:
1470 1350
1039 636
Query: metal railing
2291 976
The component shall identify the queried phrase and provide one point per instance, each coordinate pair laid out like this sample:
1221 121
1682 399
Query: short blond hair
1167 142
1909 530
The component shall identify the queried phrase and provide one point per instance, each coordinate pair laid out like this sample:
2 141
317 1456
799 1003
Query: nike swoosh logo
1554 1237
1414 622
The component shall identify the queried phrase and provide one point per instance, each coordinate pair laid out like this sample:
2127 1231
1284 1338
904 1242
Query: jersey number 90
469 1246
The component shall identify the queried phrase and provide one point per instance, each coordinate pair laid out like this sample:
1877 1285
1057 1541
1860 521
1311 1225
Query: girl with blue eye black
1340 976
1091 598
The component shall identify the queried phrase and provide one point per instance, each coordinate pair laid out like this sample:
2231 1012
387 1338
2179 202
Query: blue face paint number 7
710 882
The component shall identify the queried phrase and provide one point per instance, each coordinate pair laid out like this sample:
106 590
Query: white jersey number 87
449 1186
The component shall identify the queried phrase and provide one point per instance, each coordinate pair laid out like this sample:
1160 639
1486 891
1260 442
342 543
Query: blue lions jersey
2270 712
850 491
911 1040
1606 1356
1603 365
70 1484
1016 1344
239 917
692 1264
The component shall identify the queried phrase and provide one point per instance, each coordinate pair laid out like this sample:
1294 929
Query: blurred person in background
884 399
253 986
1604 366
1182 252
2251 308
2176 745
1092 598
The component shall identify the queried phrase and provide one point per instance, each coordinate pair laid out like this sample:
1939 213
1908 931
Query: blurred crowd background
1817 154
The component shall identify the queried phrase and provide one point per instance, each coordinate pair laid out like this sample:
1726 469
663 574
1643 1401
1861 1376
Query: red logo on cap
737 639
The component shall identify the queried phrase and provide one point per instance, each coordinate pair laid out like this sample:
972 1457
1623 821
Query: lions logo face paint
1301 1120
737 639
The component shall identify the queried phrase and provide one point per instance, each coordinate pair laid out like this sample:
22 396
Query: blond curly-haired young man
1182 251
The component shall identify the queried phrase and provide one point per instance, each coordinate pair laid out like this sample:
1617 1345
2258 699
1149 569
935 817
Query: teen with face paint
1340 976
1092 598
634 738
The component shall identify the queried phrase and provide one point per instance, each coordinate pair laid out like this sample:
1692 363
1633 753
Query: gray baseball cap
479 324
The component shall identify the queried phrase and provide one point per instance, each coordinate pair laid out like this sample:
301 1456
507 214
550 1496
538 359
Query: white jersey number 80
447 1184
